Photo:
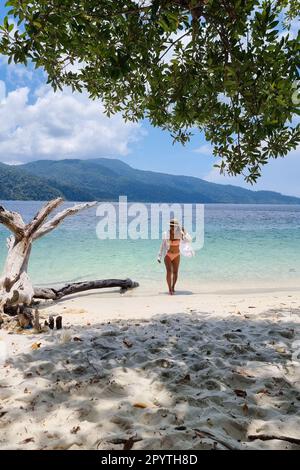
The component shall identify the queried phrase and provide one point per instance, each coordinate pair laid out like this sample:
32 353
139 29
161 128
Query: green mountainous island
106 179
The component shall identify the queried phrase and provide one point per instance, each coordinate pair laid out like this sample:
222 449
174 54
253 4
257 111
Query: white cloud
2 92
60 125
17 75
214 176
205 149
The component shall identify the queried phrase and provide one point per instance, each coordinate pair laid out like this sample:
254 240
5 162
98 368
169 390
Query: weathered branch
53 223
270 437
16 262
13 221
42 215
76 287
206 434
15 286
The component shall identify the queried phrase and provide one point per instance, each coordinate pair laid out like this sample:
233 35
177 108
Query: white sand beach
148 371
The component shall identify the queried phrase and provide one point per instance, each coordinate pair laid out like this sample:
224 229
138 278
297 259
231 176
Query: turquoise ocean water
244 244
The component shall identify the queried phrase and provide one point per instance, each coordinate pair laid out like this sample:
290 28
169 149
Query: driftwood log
76 287
16 288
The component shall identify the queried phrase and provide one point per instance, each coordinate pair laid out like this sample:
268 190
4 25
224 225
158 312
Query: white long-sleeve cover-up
185 246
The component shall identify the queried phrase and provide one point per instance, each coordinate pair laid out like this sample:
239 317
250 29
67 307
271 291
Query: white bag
186 248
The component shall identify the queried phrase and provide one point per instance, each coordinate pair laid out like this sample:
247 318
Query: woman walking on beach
174 243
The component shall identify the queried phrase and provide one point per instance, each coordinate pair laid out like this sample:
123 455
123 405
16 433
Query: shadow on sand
181 381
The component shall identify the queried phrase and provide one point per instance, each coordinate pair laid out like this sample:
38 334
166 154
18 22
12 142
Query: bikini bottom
172 256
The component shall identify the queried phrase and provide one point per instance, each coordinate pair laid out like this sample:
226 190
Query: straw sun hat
174 222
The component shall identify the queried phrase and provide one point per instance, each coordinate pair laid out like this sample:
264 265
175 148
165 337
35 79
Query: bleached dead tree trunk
15 285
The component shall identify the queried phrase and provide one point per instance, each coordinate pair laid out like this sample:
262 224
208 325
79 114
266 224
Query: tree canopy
226 67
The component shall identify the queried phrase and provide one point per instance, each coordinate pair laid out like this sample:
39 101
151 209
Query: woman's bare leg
175 266
168 264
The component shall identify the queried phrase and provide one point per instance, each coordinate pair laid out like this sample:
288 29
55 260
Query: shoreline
151 286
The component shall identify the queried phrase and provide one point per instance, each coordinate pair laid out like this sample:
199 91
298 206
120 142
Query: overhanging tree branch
173 44
123 44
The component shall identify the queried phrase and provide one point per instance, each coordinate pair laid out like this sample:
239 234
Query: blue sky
36 124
